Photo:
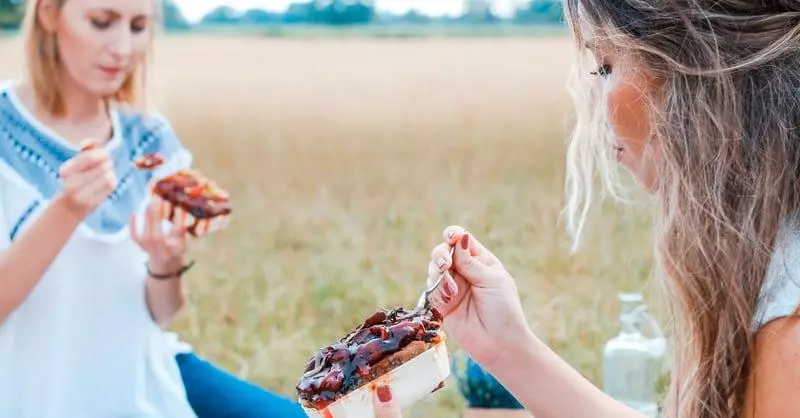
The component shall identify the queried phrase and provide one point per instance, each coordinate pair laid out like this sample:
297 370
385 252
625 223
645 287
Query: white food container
409 383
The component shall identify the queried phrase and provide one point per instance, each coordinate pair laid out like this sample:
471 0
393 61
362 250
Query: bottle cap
631 297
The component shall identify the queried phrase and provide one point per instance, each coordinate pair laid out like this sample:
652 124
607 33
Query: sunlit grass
347 158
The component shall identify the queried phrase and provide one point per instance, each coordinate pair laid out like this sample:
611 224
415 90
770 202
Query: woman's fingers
88 144
81 180
134 230
440 255
385 406
454 234
94 190
177 238
84 162
153 223
447 294
469 257
469 266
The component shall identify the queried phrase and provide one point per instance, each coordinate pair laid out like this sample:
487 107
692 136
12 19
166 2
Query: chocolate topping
340 368
195 194
150 161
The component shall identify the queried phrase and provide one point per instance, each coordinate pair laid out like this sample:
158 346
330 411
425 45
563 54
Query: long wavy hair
726 124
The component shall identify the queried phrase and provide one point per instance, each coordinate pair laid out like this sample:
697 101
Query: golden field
346 160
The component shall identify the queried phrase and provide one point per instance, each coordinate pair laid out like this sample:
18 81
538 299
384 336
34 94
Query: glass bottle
632 361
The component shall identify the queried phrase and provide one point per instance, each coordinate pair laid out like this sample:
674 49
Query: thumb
88 144
468 265
385 407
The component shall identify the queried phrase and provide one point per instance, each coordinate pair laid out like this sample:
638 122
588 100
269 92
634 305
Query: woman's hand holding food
88 179
479 299
480 304
166 250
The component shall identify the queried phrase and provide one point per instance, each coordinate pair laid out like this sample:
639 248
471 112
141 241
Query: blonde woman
88 276
699 100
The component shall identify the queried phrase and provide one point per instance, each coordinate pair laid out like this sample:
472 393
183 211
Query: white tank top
780 294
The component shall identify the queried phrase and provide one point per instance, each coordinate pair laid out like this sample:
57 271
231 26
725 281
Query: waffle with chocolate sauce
192 200
385 341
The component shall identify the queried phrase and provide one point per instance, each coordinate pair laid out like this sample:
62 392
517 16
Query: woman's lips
111 71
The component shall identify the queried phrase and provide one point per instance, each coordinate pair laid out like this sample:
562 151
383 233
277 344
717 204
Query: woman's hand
166 255
481 308
88 179
166 251
385 407
478 299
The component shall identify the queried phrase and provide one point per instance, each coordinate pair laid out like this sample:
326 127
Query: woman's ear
47 14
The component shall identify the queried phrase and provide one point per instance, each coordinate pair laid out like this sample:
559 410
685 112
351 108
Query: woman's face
100 42
626 86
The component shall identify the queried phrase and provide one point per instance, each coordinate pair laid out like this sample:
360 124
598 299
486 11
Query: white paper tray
409 383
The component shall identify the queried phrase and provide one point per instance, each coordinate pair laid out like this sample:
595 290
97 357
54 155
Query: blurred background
350 134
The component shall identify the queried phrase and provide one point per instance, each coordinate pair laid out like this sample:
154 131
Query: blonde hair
44 72
726 126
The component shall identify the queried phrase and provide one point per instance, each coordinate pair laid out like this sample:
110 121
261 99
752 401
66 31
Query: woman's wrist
68 212
166 269
517 352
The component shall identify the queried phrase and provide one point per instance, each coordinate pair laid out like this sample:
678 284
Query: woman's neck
81 106
85 116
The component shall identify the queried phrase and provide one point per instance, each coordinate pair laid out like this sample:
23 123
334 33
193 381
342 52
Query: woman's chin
644 179
106 89
646 182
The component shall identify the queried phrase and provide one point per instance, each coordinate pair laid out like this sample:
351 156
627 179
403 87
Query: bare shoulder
775 379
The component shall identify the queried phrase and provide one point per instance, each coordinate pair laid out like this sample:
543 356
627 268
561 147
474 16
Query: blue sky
195 9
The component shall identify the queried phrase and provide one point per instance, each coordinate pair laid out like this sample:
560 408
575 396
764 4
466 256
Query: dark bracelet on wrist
174 275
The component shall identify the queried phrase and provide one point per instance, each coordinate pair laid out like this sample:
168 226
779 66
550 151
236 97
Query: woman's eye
603 71
139 24
101 23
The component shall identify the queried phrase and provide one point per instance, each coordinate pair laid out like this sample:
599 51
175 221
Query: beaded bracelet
177 274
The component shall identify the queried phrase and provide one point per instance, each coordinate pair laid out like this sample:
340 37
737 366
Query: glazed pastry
150 161
384 342
190 199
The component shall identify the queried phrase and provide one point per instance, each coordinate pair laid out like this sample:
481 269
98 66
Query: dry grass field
347 158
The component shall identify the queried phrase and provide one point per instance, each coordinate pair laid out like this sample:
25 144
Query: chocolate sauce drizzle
340 368
177 189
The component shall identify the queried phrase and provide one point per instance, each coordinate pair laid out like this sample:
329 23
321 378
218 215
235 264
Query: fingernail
86 145
447 291
450 287
465 241
441 263
384 393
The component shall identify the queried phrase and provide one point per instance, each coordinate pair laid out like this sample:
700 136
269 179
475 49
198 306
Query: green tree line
330 12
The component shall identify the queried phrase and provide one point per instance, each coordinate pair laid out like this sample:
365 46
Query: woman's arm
165 297
27 259
87 180
549 387
166 255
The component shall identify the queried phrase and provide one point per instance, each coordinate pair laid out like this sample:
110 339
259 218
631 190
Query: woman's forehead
123 7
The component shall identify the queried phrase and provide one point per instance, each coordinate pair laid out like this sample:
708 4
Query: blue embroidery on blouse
36 157
17 225
479 388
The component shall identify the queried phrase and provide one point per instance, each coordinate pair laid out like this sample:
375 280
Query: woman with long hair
698 99
89 279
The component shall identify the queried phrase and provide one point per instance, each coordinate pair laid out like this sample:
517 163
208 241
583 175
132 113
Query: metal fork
424 301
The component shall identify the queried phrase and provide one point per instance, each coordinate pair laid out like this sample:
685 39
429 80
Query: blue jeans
215 393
